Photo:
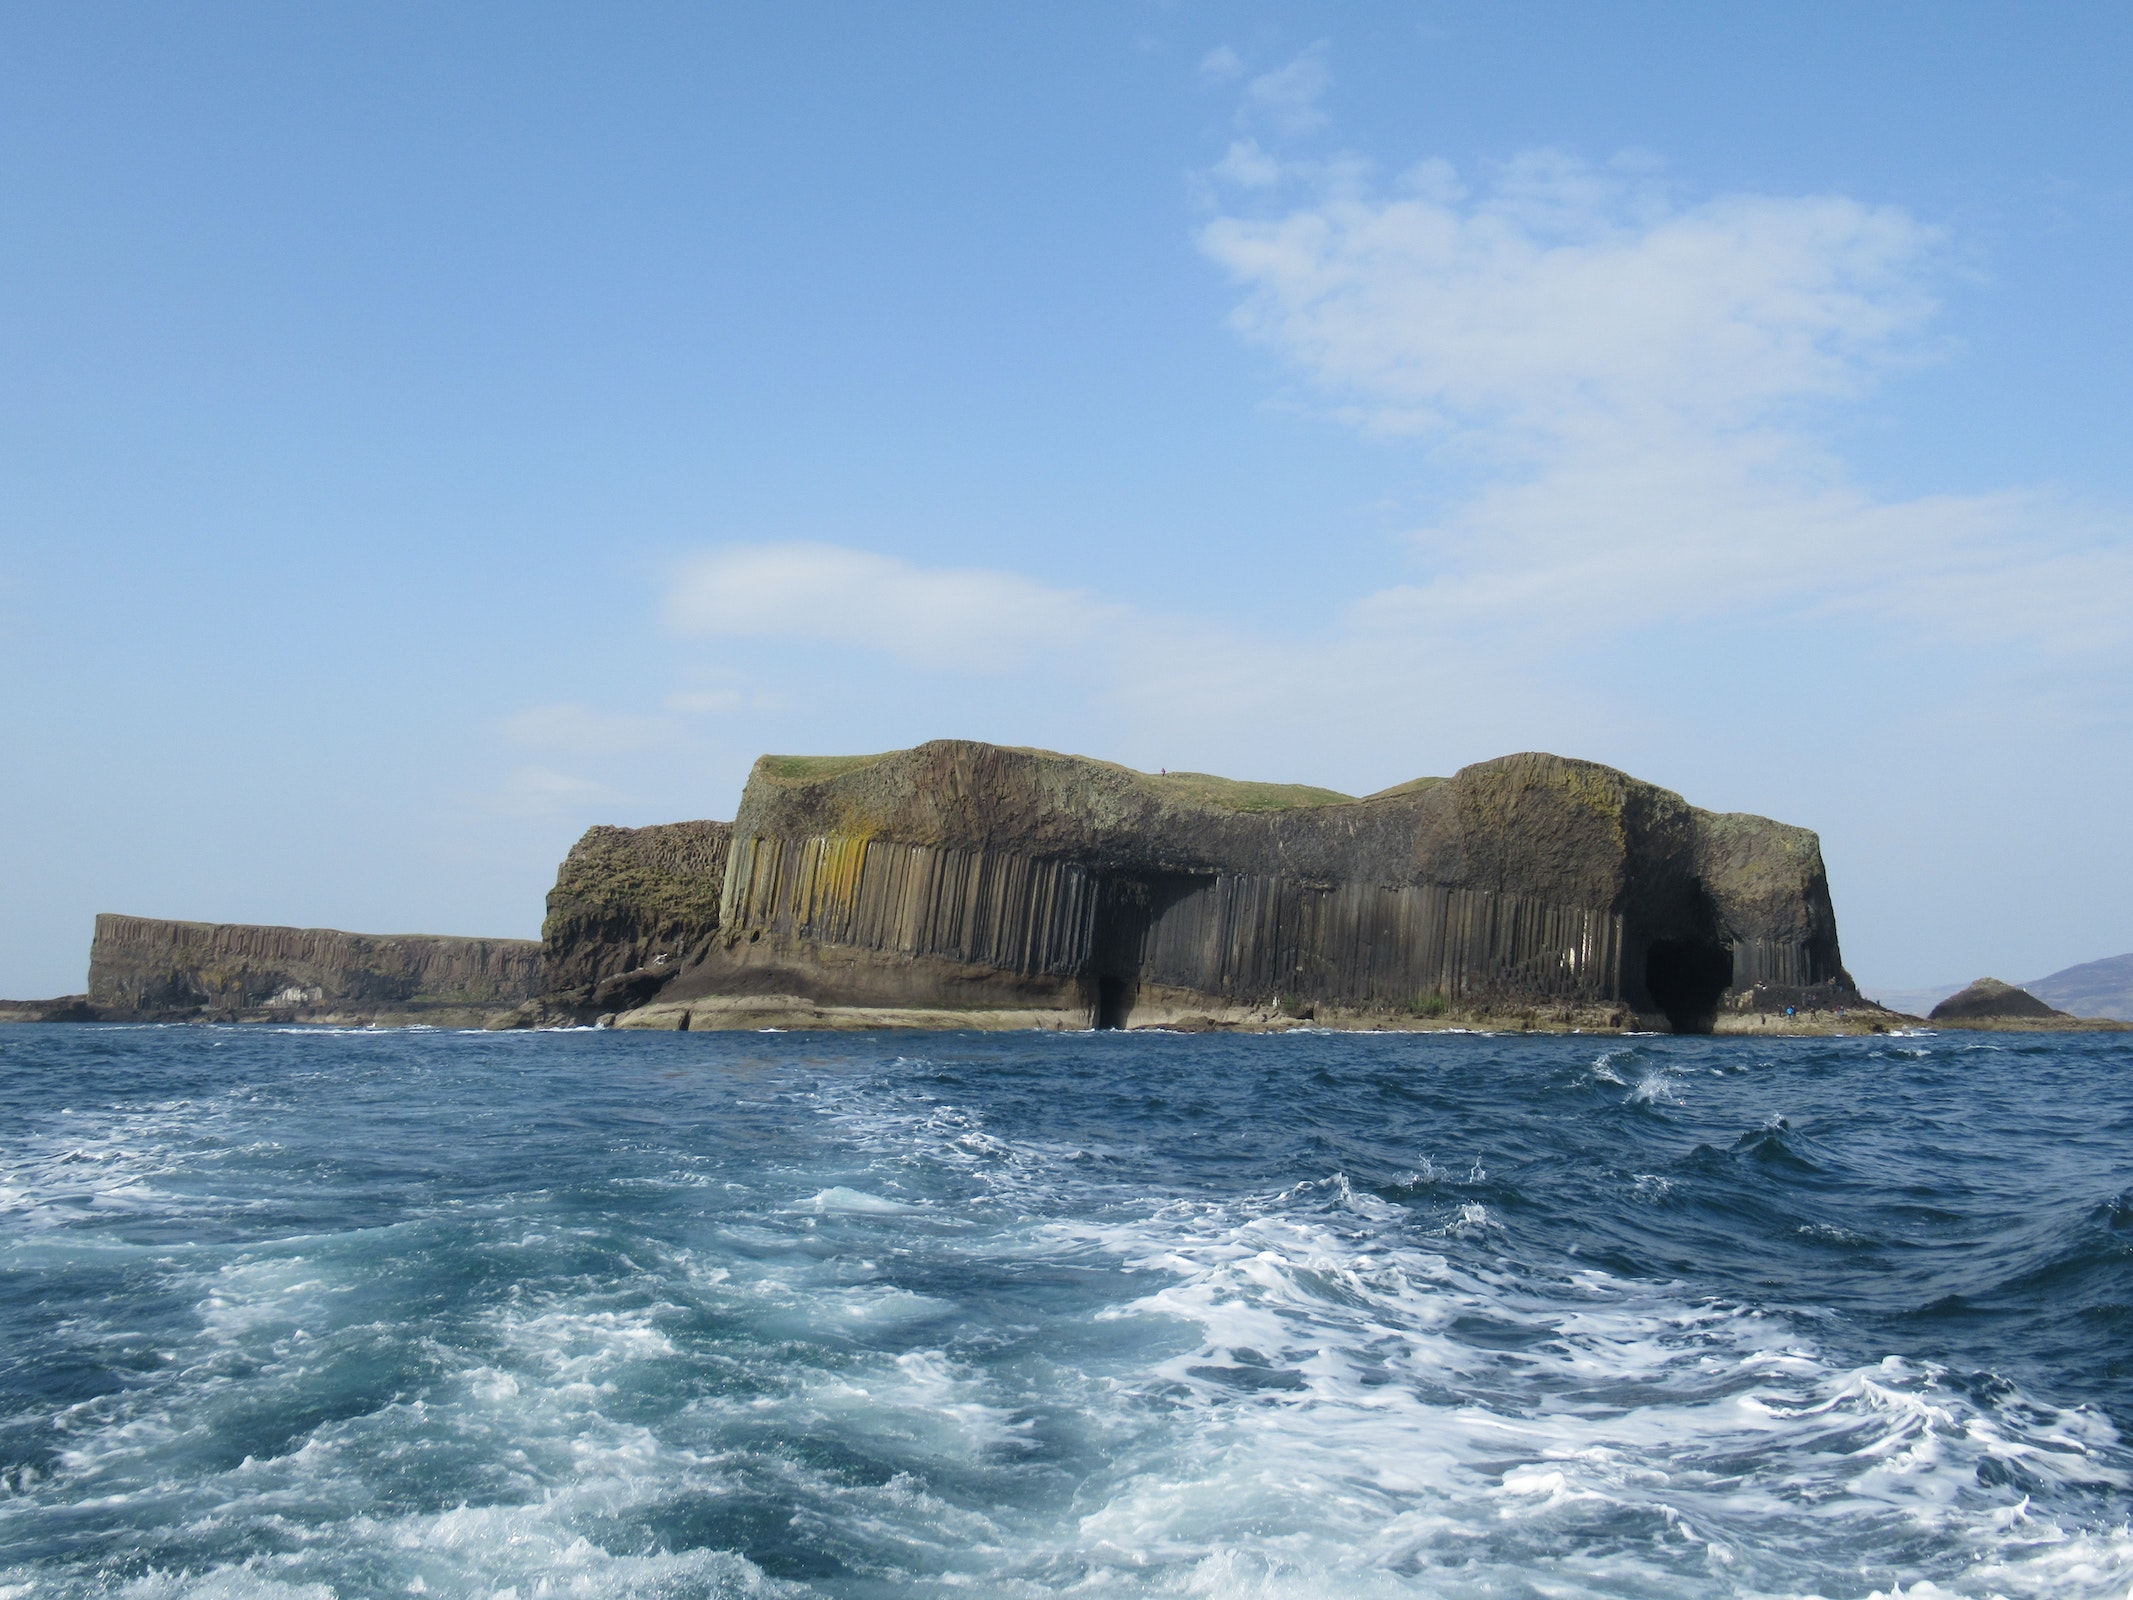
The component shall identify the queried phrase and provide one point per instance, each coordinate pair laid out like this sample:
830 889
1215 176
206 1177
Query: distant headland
963 885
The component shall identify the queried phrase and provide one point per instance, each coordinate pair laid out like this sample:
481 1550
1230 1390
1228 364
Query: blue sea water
324 1313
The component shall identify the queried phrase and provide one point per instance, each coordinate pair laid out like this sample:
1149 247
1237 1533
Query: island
969 885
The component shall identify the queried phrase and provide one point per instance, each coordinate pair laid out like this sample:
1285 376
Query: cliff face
629 907
965 874
143 967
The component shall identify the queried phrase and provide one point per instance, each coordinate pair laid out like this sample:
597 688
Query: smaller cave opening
1114 1001
1686 978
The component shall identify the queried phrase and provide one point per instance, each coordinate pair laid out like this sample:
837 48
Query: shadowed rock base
1173 1012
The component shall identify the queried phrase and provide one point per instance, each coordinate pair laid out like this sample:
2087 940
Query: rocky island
966 884
2004 1008
961 884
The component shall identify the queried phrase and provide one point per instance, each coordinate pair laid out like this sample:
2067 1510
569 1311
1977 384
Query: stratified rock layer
969 875
1989 998
148 968
629 907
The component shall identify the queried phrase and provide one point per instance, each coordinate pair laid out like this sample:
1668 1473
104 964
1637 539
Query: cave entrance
1123 912
1686 979
1114 1000
1127 907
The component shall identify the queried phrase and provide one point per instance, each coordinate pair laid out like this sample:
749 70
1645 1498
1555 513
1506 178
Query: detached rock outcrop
148 969
1989 999
967 877
630 906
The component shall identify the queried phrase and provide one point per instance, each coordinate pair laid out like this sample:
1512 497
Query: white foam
859 1203
1392 1442
109 1160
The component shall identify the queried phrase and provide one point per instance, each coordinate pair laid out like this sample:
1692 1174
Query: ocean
318 1313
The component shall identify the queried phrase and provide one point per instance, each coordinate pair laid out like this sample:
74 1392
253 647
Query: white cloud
701 702
1246 166
1286 99
570 725
933 616
1639 382
545 792
1221 64
1565 298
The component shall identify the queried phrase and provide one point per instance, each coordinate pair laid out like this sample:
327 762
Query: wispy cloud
971 617
574 727
1221 64
1287 99
536 791
1564 301
1639 386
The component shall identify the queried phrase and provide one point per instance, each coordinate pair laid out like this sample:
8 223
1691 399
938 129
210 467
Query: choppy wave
701 1315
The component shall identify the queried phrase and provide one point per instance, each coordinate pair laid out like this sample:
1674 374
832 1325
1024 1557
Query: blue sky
426 431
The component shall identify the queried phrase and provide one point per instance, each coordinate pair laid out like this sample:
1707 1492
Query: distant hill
2093 989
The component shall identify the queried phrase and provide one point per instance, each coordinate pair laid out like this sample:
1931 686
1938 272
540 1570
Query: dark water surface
317 1313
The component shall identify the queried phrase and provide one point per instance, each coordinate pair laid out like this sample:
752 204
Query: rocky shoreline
795 1013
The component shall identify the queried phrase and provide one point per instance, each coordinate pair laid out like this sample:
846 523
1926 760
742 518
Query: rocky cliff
630 906
148 969
969 876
